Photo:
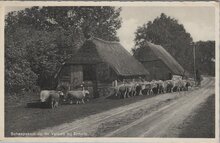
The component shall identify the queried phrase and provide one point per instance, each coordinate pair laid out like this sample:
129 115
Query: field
164 115
20 118
202 123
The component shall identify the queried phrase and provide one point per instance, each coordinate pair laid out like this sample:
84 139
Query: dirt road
159 116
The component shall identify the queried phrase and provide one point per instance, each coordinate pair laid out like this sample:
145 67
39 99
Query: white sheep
78 95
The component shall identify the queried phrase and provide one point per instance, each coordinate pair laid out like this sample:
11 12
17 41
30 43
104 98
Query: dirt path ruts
90 124
93 120
165 122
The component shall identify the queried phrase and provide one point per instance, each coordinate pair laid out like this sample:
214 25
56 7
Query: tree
40 50
18 73
40 39
205 57
171 35
102 22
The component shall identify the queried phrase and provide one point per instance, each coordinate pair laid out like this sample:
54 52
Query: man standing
198 78
170 76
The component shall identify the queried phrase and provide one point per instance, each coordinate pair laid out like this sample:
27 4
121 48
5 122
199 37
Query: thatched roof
120 60
152 52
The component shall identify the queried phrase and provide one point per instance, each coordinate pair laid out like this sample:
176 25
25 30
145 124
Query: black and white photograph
113 71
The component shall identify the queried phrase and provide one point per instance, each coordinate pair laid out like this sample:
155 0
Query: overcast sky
198 21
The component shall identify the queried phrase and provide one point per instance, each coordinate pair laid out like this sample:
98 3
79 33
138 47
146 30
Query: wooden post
116 83
194 59
95 83
76 75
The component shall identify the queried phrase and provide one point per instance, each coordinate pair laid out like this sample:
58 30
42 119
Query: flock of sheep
154 87
124 90
54 98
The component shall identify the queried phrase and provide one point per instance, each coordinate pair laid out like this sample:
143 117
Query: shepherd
198 78
170 76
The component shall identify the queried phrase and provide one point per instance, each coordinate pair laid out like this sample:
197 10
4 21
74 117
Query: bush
19 78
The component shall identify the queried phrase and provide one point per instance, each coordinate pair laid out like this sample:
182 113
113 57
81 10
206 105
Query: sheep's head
62 96
60 93
86 92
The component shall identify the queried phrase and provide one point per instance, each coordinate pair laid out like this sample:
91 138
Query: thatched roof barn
98 62
95 51
159 62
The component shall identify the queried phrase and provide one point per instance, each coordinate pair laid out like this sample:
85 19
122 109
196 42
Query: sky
198 21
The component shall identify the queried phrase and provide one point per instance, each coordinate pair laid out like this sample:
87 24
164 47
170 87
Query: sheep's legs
56 104
125 94
52 104
71 102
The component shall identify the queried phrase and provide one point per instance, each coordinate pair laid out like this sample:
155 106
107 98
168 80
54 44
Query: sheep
121 91
78 95
51 97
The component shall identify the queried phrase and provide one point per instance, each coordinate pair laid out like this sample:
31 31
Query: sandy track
163 107
166 121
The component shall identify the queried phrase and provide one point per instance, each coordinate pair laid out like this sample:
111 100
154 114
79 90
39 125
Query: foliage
18 71
205 57
167 32
101 22
39 39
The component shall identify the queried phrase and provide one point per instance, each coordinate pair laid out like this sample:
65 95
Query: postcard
110 71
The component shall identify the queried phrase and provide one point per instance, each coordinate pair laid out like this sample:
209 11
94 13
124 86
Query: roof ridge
105 41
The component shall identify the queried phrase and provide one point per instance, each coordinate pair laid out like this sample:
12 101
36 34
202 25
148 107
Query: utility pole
194 60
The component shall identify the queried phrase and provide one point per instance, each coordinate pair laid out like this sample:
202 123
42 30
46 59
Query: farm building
98 63
159 62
